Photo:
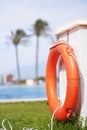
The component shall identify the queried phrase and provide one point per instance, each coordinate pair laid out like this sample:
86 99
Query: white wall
78 41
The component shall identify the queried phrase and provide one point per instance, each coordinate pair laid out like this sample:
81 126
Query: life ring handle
72 74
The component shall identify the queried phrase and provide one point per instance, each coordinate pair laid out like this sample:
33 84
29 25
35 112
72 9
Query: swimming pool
22 93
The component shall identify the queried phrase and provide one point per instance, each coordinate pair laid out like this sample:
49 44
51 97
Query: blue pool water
22 92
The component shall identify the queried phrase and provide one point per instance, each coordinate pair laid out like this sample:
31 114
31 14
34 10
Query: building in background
2 79
9 79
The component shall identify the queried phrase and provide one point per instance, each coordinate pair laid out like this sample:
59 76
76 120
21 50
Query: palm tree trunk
17 62
37 48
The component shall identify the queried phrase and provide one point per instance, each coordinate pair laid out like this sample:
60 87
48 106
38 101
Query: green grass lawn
33 114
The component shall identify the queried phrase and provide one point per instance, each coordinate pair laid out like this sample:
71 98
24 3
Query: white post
77 36
80 48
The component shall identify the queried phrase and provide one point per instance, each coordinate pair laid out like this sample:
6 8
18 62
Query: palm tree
16 38
40 28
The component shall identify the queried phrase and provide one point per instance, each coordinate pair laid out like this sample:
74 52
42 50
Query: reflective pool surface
22 92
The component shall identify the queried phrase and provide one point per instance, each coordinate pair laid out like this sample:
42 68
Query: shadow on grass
72 124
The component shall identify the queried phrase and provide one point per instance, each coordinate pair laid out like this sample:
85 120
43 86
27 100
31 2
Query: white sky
15 14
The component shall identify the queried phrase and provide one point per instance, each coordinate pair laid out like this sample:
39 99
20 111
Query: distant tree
16 38
40 28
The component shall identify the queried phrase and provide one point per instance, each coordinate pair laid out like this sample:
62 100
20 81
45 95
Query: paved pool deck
22 100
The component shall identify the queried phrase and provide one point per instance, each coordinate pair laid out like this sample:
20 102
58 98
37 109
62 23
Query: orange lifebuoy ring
72 74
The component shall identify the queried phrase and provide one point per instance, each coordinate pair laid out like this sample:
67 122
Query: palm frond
49 36
12 33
